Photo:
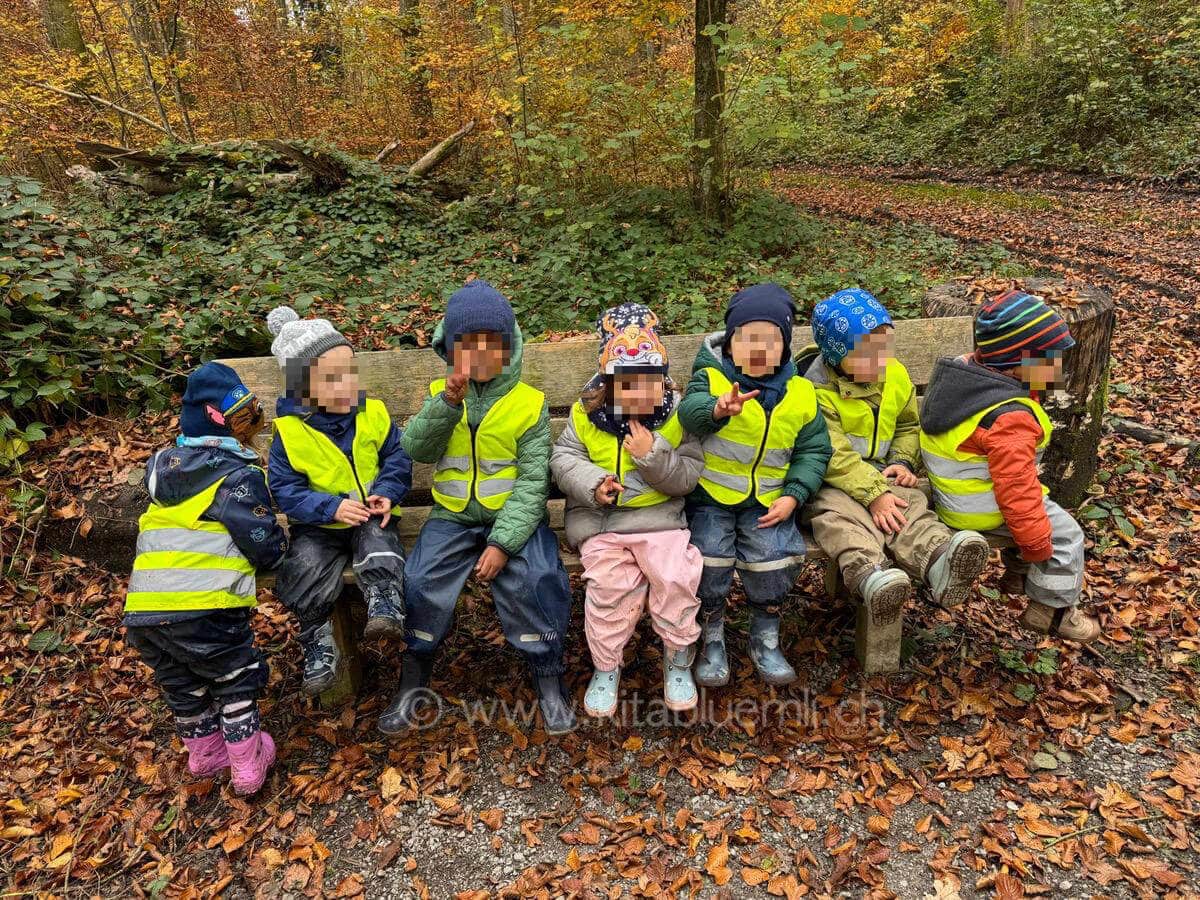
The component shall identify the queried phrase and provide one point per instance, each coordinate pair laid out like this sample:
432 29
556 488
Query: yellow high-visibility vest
752 452
608 452
961 482
185 563
327 468
482 461
871 431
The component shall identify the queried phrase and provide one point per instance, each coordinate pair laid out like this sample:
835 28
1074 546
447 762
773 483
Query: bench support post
350 671
876 644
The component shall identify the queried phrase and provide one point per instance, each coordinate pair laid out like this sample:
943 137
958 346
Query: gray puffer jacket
673 472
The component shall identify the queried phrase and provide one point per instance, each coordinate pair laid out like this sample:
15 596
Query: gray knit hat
300 339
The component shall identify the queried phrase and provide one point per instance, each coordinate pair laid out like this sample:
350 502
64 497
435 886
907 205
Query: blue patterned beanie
842 318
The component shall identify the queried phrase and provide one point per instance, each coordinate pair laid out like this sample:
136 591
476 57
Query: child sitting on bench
625 464
337 469
488 434
870 513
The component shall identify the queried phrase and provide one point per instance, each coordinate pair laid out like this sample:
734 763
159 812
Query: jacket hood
959 389
502 383
180 473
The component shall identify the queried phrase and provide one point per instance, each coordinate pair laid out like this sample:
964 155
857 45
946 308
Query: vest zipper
618 440
757 459
474 429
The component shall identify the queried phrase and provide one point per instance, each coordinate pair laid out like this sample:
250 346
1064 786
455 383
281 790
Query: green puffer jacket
848 471
811 451
427 435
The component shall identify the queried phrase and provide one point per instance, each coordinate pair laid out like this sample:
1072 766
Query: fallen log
439 153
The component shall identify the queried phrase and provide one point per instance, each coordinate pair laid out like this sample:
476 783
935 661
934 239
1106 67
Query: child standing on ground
983 433
625 463
208 529
337 470
488 434
765 452
870 513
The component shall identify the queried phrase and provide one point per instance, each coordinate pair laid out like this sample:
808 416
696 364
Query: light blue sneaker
679 690
603 690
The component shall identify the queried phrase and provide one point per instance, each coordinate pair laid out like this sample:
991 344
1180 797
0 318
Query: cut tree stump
1077 411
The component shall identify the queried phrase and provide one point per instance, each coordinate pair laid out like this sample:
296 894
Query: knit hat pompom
298 339
280 316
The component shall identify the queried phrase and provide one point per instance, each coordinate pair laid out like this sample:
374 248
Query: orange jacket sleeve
1010 446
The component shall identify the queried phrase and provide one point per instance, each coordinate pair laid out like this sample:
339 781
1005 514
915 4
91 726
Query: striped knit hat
1016 326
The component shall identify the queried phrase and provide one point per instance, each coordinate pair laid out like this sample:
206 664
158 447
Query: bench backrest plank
401 377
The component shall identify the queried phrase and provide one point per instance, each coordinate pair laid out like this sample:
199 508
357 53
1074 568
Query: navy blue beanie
477 306
766 302
214 392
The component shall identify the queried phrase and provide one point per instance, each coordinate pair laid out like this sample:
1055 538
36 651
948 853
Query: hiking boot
249 762
557 713
768 659
385 611
951 576
1061 621
712 663
412 696
679 690
206 755
321 661
600 700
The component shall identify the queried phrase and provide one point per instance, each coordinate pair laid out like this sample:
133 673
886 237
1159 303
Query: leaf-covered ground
991 765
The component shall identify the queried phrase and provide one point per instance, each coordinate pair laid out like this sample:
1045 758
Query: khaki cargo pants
843 528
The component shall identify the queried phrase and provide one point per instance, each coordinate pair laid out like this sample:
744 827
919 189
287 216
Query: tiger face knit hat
1016 326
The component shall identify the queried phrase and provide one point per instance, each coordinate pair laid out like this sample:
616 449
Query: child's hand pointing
455 390
608 490
731 404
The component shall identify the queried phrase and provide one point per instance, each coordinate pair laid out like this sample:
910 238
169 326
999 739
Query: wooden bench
401 379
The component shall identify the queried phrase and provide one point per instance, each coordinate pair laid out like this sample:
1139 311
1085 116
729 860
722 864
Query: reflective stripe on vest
608 452
185 563
870 431
326 467
485 458
753 450
961 482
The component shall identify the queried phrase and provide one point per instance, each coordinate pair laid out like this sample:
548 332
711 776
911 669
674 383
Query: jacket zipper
617 438
874 432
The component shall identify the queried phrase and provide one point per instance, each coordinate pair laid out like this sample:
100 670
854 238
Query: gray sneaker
951 576
712 663
321 661
768 659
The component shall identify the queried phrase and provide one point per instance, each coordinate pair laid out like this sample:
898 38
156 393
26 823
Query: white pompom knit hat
300 339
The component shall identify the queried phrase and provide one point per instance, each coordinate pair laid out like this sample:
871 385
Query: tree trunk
420 101
1077 411
62 27
710 194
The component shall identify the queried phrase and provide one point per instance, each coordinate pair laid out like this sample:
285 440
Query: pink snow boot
206 755
249 761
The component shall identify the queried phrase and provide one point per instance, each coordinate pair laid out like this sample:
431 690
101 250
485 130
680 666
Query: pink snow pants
624 573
